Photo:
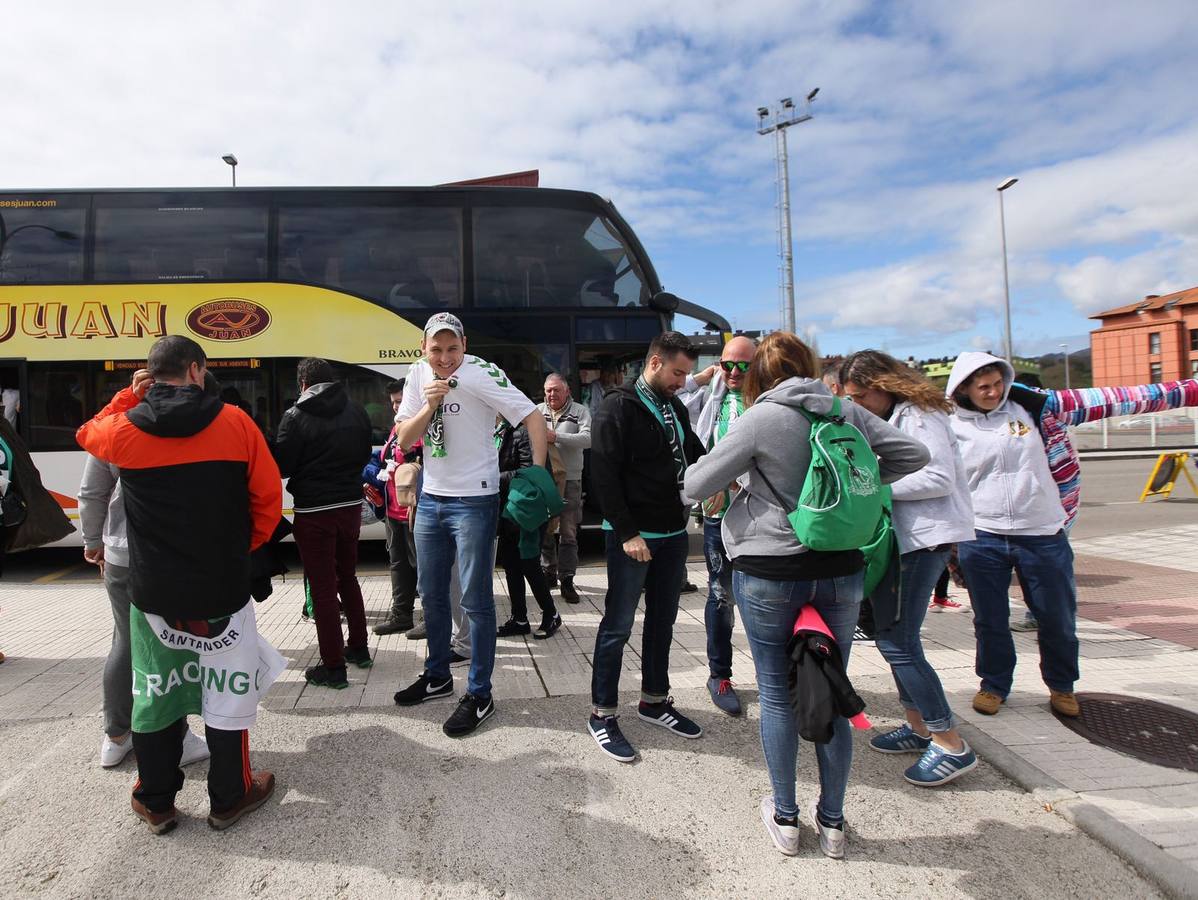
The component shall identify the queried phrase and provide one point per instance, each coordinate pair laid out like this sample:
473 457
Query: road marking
61 573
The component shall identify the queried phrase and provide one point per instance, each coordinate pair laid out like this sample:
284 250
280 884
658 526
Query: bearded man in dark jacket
322 445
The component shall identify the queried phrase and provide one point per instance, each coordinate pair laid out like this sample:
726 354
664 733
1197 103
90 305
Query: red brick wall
1120 349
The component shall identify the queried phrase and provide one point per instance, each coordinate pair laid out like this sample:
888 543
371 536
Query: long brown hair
875 369
781 355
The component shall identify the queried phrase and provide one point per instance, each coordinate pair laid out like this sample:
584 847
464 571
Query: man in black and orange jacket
201 491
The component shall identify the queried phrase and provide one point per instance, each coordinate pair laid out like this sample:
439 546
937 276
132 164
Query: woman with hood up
774 576
1024 479
931 512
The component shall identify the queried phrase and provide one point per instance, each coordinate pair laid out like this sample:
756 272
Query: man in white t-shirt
451 401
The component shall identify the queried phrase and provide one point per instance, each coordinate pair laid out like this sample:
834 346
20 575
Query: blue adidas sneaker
937 766
606 732
900 740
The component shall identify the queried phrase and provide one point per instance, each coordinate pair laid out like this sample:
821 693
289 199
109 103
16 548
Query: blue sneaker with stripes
667 717
900 740
937 766
606 732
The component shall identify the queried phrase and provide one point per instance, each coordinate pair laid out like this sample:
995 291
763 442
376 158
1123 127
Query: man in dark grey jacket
569 425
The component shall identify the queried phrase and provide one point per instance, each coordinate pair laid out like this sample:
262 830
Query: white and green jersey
220 672
731 408
469 466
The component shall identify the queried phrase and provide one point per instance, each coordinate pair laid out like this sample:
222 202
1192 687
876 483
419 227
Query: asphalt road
1110 505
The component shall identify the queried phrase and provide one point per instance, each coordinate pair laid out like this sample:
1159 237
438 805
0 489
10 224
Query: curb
1171 875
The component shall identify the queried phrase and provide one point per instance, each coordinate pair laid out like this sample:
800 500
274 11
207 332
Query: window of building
1194 368
1194 339
1154 342
1154 373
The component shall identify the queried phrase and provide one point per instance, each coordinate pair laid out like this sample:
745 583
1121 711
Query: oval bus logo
228 319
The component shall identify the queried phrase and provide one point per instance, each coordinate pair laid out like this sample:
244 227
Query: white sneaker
785 837
195 749
112 753
831 840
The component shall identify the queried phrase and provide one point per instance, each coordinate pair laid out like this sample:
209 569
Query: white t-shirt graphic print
470 467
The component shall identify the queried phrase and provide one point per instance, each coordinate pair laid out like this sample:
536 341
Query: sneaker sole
336 686
162 828
607 752
670 728
477 724
365 664
221 824
946 779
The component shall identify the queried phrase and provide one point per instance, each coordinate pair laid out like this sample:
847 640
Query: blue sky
925 107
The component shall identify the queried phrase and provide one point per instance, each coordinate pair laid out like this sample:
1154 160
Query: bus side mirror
664 302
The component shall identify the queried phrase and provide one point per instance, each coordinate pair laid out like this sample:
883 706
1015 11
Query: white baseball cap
444 322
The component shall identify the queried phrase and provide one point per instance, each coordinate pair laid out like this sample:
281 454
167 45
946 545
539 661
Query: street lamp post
1065 347
232 161
784 117
1002 224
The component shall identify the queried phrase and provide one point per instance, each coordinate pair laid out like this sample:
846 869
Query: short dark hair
395 387
312 371
171 356
669 344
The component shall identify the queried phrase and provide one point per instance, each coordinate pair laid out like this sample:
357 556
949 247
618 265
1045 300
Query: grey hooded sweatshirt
771 439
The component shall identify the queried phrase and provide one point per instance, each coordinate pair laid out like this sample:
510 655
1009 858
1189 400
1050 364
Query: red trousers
328 546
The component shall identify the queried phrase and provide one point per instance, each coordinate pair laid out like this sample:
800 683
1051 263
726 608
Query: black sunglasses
729 365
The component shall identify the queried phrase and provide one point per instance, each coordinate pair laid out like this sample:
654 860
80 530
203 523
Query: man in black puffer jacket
322 445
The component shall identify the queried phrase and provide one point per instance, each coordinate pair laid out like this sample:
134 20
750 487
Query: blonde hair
875 369
780 355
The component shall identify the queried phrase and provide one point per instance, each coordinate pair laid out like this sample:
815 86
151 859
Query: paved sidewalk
57 637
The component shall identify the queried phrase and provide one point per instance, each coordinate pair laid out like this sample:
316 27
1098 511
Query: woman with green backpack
774 575
931 511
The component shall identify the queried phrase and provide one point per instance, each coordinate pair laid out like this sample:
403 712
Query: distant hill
1052 370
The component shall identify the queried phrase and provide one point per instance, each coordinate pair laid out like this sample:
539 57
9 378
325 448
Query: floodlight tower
784 115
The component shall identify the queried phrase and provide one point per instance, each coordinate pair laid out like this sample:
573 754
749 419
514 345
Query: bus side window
58 402
41 244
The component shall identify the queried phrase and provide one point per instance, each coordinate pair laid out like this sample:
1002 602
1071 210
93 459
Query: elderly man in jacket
569 426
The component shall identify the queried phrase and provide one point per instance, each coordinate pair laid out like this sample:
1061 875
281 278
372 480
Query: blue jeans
1046 564
461 529
919 687
768 610
720 614
661 579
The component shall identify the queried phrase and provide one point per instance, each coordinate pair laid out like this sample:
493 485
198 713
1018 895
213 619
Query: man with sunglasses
713 399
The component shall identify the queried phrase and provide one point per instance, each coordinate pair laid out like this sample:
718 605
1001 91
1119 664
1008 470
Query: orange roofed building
1153 340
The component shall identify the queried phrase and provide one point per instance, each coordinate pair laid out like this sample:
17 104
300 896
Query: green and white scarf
434 437
664 411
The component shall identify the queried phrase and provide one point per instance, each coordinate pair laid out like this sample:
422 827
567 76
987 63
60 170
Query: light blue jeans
768 610
461 528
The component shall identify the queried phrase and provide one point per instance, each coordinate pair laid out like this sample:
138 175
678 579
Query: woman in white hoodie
1020 523
932 511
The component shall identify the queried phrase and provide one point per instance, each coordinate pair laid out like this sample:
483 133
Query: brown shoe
160 823
262 785
1065 703
986 703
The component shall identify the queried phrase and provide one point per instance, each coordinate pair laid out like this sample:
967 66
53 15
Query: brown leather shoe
262 785
986 703
160 823
1064 702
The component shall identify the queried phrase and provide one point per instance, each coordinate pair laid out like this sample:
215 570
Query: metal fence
1169 430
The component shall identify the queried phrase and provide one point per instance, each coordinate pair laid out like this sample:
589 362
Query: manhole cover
1149 731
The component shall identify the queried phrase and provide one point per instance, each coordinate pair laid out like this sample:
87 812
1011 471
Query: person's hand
704 378
638 549
551 435
95 557
434 393
141 383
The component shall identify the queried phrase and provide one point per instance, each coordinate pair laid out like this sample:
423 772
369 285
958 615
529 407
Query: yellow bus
544 280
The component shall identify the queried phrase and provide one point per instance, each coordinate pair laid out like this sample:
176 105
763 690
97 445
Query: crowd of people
475 472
